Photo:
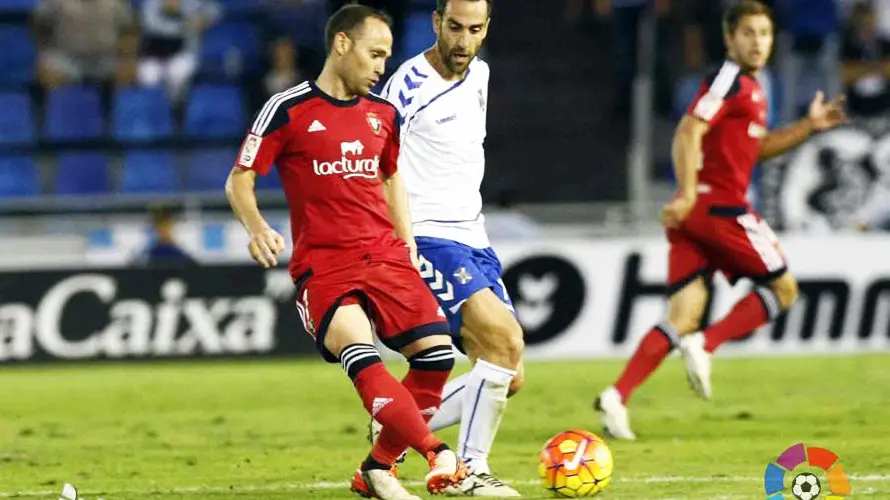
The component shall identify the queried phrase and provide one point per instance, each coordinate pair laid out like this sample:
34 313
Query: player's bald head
351 20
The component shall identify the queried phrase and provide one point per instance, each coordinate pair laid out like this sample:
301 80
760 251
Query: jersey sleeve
403 91
266 138
711 102
389 163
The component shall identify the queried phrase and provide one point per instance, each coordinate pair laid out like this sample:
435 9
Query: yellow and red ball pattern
576 464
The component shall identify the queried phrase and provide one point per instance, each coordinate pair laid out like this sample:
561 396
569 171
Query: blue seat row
142 172
139 115
229 50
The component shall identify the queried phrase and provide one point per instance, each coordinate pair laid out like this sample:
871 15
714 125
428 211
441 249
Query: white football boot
482 485
698 363
381 484
615 418
446 470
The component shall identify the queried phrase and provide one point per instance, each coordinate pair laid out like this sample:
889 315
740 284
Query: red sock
654 348
754 310
388 401
425 380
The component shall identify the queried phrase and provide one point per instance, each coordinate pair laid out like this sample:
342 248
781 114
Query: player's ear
437 23
342 43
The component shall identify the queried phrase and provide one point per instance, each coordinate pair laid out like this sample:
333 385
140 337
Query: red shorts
733 240
397 300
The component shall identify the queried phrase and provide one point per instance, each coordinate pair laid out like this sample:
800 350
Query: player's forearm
687 156
782 140
397 201
242 198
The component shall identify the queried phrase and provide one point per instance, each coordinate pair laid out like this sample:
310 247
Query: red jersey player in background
354 260
710 224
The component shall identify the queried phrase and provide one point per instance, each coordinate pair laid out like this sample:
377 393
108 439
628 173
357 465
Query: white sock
485 398
452 404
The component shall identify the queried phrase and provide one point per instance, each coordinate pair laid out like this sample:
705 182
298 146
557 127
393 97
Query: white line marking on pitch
330 485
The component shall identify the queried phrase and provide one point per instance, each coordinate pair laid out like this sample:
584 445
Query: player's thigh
687 260
332 299
407 318
687 305
491 327
745 247
349 325
450 271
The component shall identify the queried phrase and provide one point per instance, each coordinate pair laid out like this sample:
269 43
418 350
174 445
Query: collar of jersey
331 99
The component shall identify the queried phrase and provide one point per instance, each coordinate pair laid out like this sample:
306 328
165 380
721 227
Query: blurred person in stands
171 31
284 72
809 50
866 63
625 17
93 41
162 250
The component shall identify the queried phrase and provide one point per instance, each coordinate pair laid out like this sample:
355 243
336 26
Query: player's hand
415 261
265 246
826 115
675 212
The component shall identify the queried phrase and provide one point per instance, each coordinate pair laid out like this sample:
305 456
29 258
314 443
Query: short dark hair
441 4
742 9
349 18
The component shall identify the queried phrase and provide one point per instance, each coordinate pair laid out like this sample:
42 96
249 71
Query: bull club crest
374 122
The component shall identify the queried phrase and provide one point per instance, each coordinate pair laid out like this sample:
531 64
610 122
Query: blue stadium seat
230 50
17 6
149 172
142 115
418 35
72 114
207 169
269 181
18 55
17 119
82 173
18 176
215 112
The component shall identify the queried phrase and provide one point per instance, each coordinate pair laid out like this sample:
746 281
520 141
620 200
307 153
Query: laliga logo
359 167
806 485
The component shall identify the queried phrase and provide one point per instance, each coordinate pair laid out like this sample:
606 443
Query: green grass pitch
295 429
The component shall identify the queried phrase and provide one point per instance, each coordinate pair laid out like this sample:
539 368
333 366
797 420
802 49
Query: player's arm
262 146
397 201
394 191
821 116
705 111
686 152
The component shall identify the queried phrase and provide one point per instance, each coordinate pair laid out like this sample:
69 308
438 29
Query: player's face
752 41
460 31
365 62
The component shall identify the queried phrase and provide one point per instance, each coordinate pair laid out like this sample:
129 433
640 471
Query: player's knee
786 290
685 323
439 358
510 343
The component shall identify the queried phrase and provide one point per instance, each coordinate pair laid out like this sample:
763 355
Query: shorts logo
805 484
444 290
463 276
250 149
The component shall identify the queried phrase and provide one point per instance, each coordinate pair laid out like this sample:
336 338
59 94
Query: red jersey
332 157
735 107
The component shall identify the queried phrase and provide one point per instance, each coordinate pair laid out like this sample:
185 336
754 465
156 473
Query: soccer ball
805 486
576 464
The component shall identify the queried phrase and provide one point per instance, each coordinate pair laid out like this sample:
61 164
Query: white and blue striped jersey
442 158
